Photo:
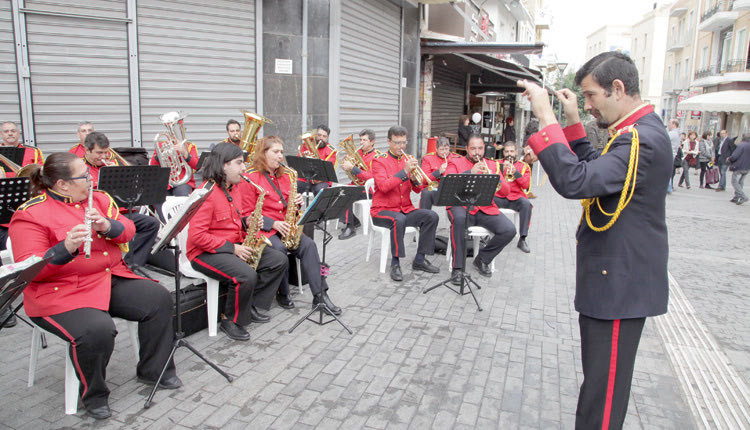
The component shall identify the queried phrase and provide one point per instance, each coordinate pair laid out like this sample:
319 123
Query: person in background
723 150
434 165
674 139
528 155
234 134
509 134
740 167
368 152
515 197
690 150
705 155
464 131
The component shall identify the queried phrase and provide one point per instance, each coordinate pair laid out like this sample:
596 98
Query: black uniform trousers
91 333
425 220
246 287
427 199
608 349
499 225
348 218
309 259
523 206
303 187
146 229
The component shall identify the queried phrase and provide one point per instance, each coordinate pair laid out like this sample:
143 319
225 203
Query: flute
87 241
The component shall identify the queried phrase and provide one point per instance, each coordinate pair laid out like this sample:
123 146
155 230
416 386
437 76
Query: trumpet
510 177
418 175
489 172
87 241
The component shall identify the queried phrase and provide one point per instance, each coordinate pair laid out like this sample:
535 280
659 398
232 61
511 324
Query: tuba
353 157
309 147
253 123
168 156
254 240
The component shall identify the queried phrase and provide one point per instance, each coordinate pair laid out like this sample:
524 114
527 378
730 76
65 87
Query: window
727 42
704 58
739 44
687 67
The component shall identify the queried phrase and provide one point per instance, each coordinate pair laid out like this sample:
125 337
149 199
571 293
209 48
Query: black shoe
456 277
323 298
171 383
734 199
425 266
234 331
100 413
348 233
284 301
258 317
708 187
11 322
396 273
523 246
482 267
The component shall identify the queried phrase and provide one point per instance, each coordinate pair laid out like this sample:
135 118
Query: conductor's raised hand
539 99
569 102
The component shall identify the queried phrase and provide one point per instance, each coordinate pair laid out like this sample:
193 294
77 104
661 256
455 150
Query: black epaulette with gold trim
208 185
251 170
33 201
381 155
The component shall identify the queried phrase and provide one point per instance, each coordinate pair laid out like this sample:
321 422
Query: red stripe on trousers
236 287
395 236
612 374
75 353
453 241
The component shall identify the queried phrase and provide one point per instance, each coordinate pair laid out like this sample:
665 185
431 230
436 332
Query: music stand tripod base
468 190
322 308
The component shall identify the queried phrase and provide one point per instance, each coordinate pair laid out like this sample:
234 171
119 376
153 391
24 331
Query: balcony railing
737 65
703 73
711 12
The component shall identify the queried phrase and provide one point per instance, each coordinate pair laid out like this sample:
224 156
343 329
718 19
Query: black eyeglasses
87 176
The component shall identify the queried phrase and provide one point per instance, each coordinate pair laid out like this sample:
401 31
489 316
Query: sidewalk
421 361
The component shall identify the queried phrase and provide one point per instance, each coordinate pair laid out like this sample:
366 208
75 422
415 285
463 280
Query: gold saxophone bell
253 123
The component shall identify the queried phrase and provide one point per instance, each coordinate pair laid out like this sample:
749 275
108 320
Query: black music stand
465 190
169 241
13 193
135 185
330 203
313 169
12 153
13 284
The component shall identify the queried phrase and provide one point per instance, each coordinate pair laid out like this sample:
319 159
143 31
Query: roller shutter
447 100
370 67
10 109
197 57
79 71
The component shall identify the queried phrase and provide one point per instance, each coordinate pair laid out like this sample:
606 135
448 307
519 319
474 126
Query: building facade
648 42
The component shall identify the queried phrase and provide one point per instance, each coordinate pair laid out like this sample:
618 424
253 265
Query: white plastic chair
385 233
513 215
476 233
362 207
71 379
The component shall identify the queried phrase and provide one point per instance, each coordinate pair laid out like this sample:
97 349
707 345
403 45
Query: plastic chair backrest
369 187
171 208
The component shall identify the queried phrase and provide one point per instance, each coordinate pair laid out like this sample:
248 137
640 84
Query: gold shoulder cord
628 188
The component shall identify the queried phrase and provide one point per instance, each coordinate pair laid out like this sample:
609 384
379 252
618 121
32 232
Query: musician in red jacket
488 217
31 154
516 199
434 165
84 128
96 156
395 179
325 152
368 153
187 152
215 244
75 297
276 180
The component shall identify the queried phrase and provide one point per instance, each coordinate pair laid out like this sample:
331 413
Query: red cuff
574 132
546 137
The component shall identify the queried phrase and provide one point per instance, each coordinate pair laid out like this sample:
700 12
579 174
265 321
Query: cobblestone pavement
416 360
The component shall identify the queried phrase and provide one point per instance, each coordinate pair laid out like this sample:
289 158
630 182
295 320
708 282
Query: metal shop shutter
10 105
370 80
199 58
448 96
79 71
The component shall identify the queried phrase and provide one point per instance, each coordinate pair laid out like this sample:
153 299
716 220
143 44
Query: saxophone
291 240
257 242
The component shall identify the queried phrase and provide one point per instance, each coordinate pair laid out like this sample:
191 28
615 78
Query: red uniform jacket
69 281
364 175
192 161
78 149
31 155
431 164
274 208
392 186
217 225
518 186
464 165
327 153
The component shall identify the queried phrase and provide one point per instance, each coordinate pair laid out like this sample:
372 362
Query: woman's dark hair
706 134
260 163
608 66
57 166
213 167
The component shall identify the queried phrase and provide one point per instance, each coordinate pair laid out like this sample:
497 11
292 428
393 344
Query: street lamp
560 70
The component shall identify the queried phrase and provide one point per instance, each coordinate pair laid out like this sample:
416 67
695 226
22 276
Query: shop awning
488 73
431 47
721 101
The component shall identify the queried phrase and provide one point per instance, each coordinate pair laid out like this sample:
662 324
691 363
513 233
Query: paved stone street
418 361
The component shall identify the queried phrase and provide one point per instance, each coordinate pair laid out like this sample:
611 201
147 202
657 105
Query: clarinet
87 241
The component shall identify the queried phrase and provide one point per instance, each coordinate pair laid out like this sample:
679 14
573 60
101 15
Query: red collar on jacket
630 118
59 197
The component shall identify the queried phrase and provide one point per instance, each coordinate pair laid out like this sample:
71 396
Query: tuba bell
309 147
253 123
168 156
